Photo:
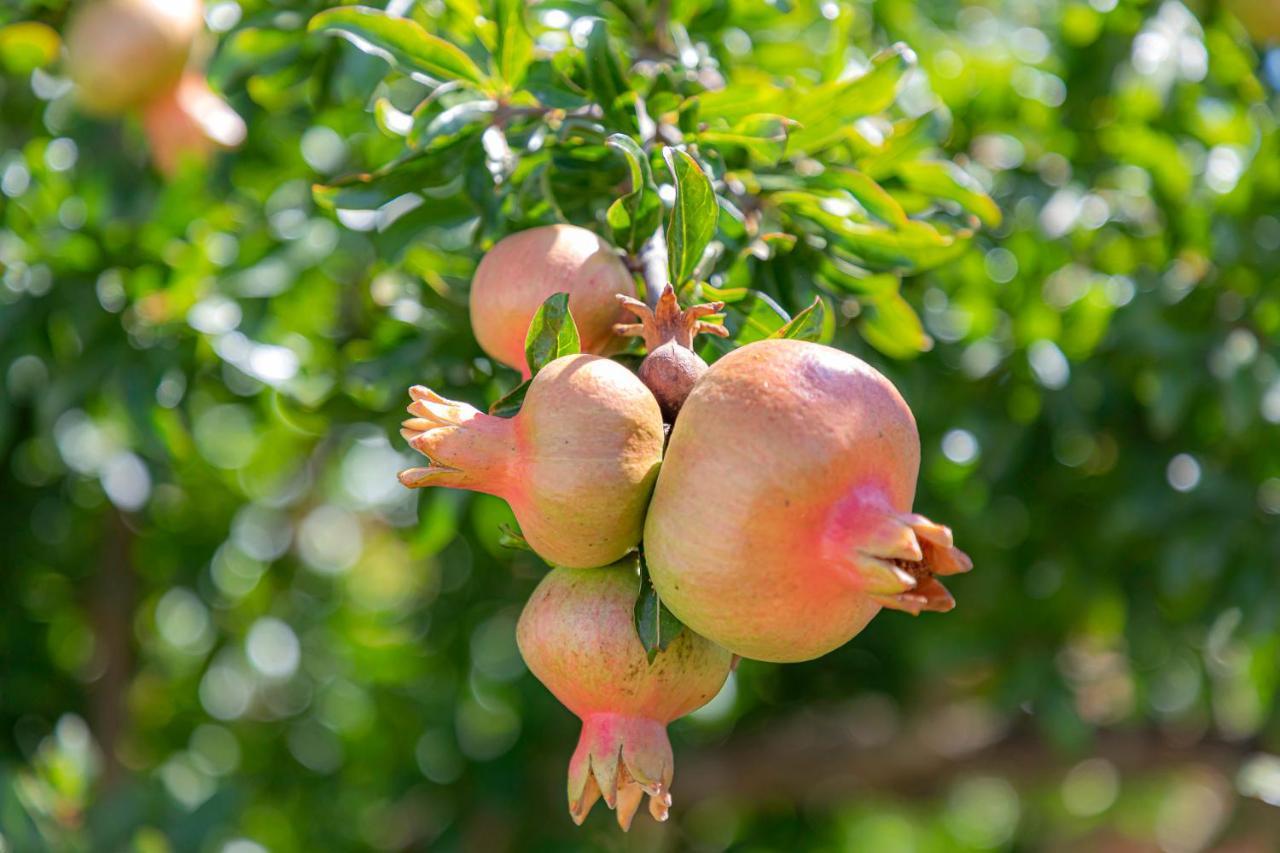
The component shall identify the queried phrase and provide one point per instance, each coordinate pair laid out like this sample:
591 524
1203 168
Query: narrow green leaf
604 70
552 333
514 49
828 112
946 180
758 317
511 537
762 135
693 217
808 325
400 41
891 325
655 624
873 197
636 215
508 405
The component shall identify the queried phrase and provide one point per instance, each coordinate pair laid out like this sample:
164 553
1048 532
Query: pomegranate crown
667 322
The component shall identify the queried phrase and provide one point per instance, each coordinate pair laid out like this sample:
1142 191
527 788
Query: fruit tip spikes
667 322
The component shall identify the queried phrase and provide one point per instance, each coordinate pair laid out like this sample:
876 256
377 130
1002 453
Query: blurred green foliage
226 627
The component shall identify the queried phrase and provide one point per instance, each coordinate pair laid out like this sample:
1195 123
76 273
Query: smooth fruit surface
782 520
577 637
122 53
577 464
517 275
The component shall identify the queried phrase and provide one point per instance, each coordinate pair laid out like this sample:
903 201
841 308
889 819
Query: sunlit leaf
808 325
944 179
514 48
693 217
552 333
400 41
637 214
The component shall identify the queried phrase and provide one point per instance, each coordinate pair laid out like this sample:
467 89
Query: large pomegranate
189 121
123 53
577 464
518 274
577 637
671 367
781 522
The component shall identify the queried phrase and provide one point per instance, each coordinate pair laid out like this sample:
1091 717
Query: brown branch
111 610
823 758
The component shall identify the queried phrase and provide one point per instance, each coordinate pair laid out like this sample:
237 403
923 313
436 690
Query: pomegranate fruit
189 121
576 635
122 53
781 522
576 464
672 367
518 274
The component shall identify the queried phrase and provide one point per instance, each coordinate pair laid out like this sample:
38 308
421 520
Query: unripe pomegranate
189 121
576 635
781 522
577 464
122 53
672 367
518 274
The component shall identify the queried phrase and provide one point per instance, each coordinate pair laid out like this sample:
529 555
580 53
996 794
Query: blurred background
224 626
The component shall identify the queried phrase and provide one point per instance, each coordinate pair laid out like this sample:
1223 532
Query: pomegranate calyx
899 556
667 322
621 759
465 446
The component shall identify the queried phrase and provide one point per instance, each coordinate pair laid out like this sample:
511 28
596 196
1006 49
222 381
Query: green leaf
828 112
511 537
946 180
693 217
604 71
891 325
758 315
655 624
912 247
761 135
873 197
509 404
400 41
809 325
635 216
28 45
514 49
552 333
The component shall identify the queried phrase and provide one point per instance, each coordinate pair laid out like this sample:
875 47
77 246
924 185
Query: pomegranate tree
782 520
123 53
577 464
576 635
517 275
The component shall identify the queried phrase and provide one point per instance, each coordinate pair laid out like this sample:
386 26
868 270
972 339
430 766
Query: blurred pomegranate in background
123 53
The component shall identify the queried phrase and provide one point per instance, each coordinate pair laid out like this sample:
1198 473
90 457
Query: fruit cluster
145 56
768 496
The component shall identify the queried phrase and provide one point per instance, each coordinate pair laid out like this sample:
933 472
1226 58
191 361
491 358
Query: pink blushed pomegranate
781 522
517 275
576 635
577 464
123 53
